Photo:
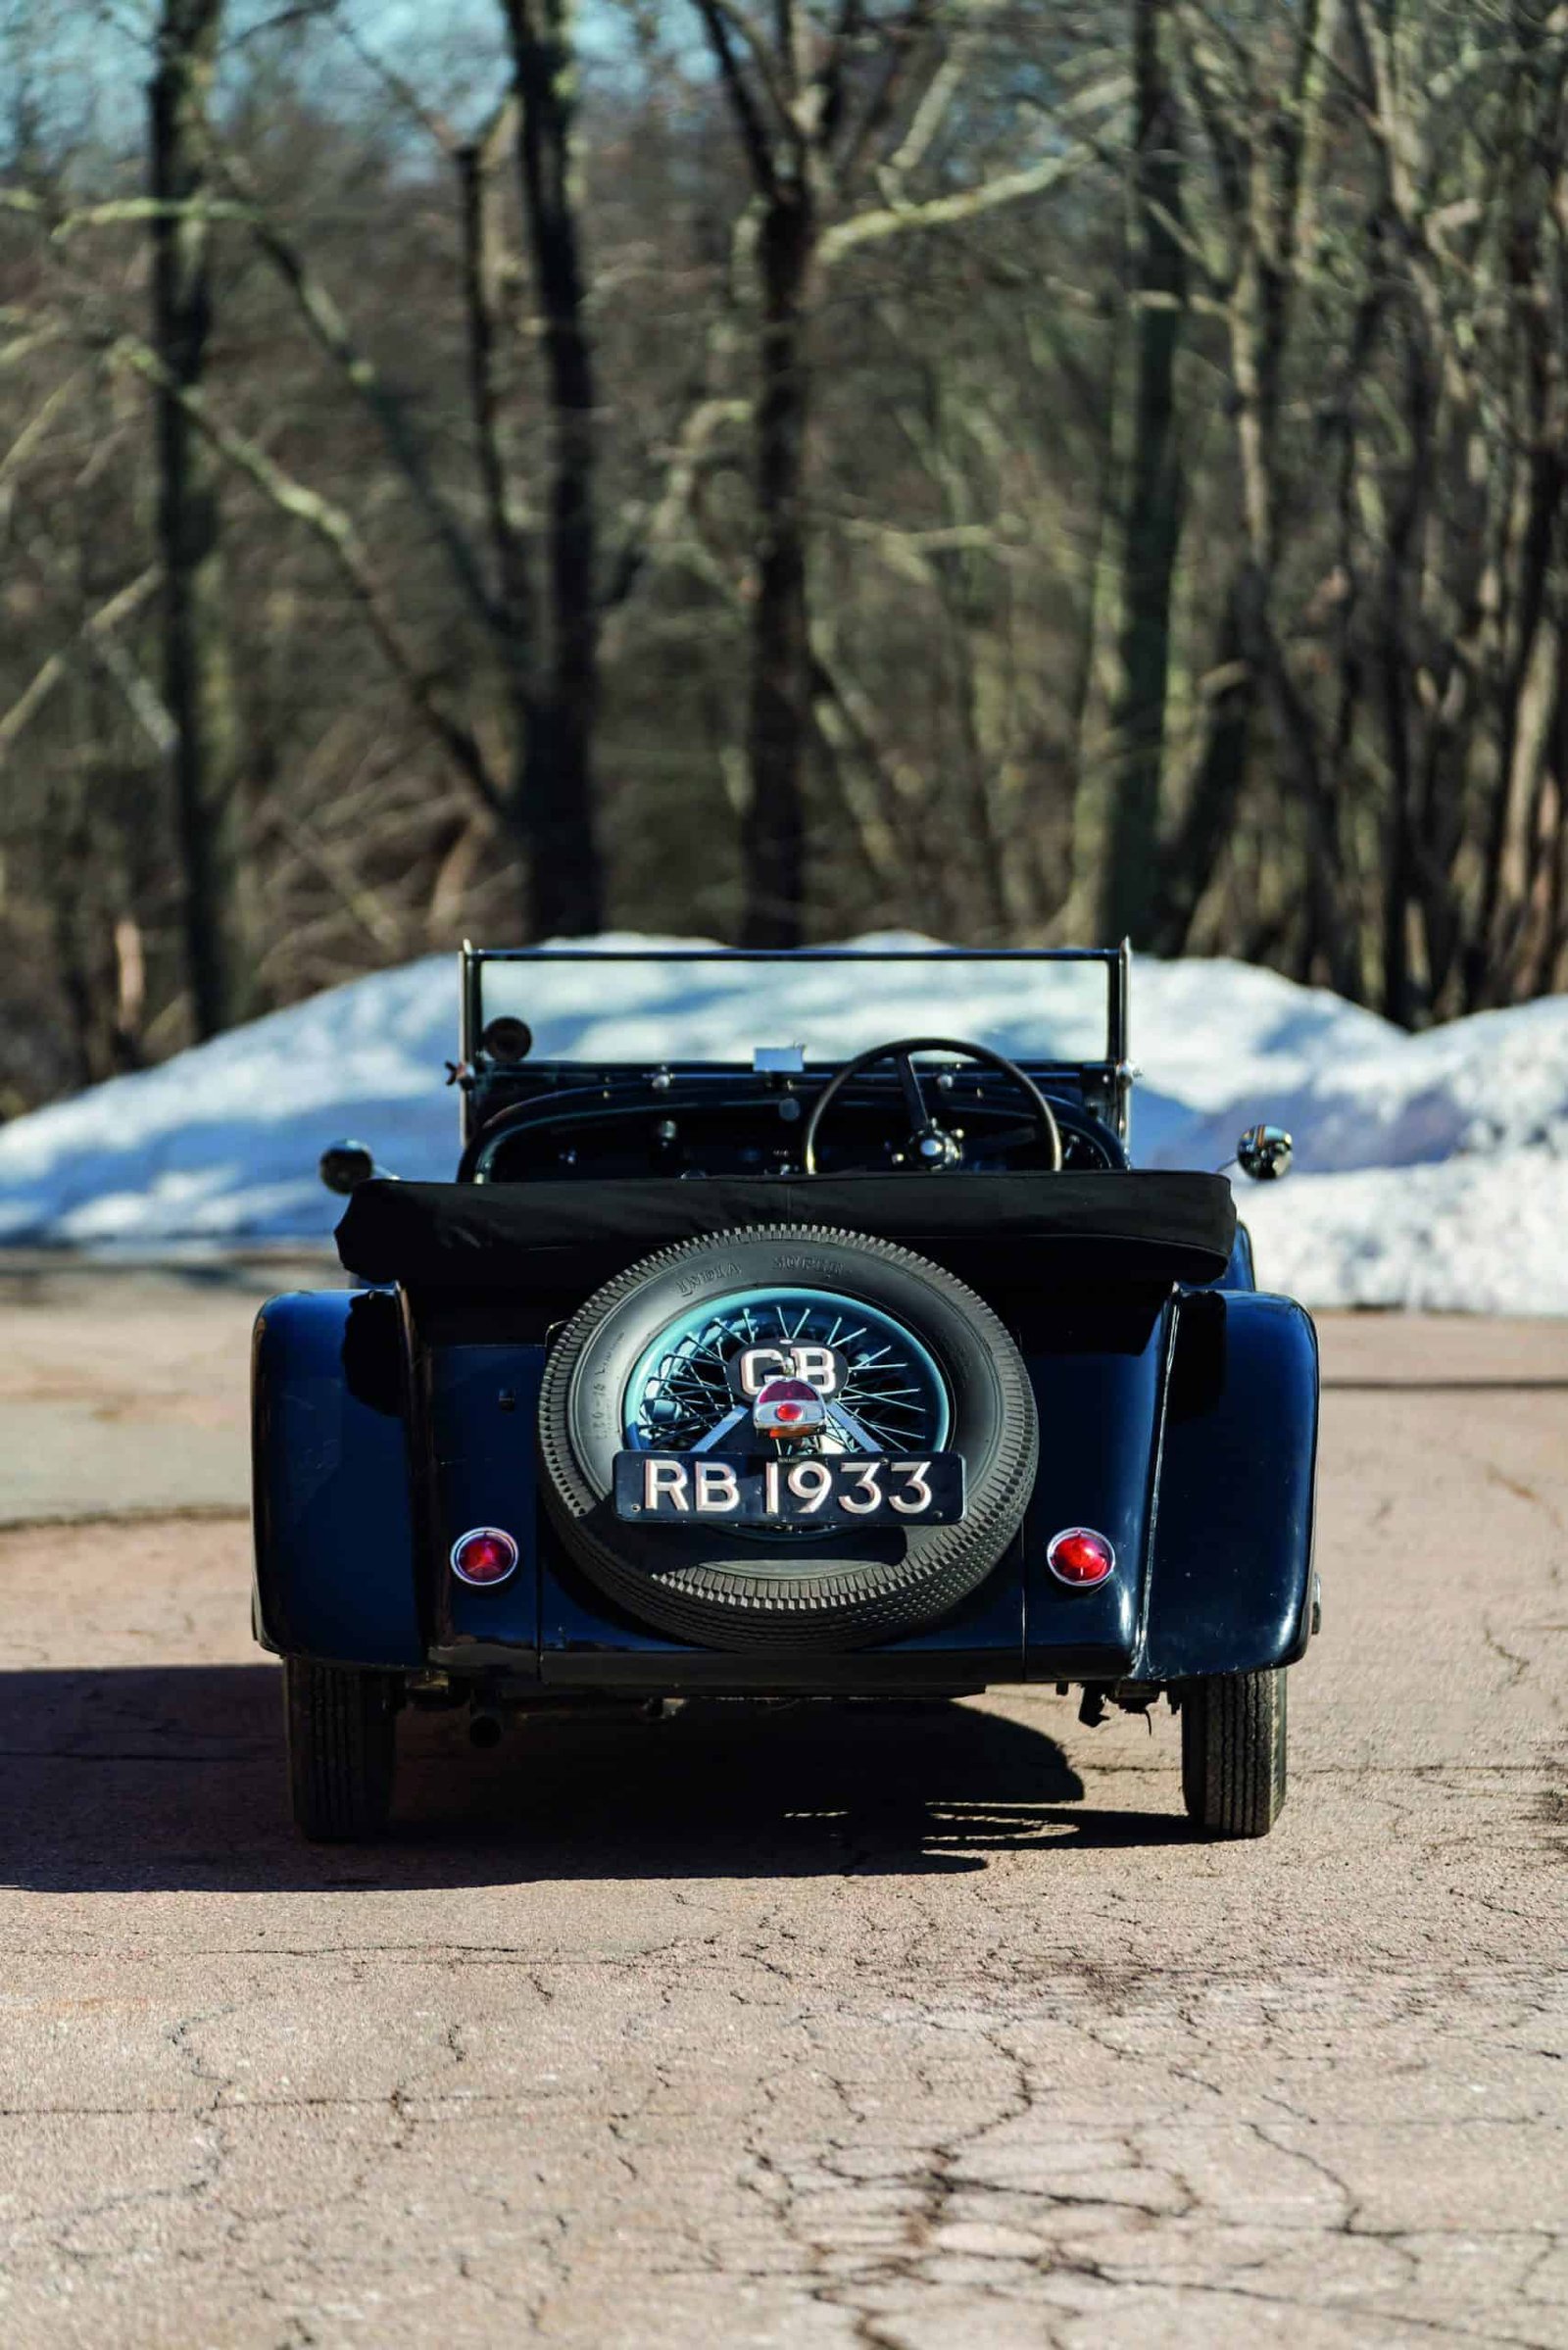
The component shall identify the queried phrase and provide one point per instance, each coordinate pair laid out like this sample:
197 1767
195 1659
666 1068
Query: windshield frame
1116 1071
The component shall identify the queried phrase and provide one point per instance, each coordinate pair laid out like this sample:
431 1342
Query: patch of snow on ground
1431 1170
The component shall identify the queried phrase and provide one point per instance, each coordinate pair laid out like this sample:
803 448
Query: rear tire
342 1749
1234 1739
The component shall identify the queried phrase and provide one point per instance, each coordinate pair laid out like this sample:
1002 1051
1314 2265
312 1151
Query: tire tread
1234 1752
341 1731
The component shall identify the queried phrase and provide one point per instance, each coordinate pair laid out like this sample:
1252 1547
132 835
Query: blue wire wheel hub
887 1393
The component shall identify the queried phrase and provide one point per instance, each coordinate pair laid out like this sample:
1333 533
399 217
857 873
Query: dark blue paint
577 1623
576 1620
990 1621
1099 1419
1184 1430
334 1535
483 1403
1240 1273
589 1644
1233 1535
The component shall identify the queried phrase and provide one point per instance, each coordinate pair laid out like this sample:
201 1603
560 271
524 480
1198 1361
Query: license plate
686 1489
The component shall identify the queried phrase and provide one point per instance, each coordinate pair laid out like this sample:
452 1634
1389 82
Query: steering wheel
934 1148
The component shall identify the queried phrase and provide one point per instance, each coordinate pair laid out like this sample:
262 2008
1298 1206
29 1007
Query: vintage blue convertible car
863 1365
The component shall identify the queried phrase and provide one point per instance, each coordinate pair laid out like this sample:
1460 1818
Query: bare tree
1153 530
835 113
786 163
198 667
735 428
544 636
1265 160
558 784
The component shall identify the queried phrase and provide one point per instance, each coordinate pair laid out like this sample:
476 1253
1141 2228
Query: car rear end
509 1494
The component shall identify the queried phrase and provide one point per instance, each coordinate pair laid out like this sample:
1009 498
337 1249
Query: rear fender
1098 1365
1240 1273
1230 1568
480 1409
335 1550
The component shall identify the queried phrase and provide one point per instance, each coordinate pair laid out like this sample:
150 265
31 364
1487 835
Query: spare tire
644 1366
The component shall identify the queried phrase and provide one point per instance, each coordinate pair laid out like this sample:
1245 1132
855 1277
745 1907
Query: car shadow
171 1778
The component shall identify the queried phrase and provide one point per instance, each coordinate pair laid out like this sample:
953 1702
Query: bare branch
331 332
514 616
655 533
122 606
96 643
117 210
403 92
935 99
36 429
655 522
337 871
336 530
945 211
748 115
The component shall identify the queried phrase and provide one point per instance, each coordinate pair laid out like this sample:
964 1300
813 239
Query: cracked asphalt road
817 2029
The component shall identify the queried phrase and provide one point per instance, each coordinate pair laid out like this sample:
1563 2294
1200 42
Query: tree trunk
555 812
780 717
198 671
510 607
1155 497
1193 850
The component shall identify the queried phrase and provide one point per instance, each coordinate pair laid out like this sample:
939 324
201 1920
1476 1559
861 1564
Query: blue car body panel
335 1550
482 1402
1229 1577
1183 1427
1240 1273
1097 1393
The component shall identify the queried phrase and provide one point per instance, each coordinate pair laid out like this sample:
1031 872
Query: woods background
1024 470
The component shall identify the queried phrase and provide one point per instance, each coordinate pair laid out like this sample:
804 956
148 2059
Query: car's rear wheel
1234 1740
342 1749
645 1366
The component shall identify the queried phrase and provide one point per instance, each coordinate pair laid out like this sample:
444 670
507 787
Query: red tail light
1079 1555
485 1556
787 1408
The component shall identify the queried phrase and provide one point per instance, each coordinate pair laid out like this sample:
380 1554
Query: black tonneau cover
1142 1225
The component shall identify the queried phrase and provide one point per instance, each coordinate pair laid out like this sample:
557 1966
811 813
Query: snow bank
1431 1170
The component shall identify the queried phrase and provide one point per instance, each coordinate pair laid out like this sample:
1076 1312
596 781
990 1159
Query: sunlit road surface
813 2027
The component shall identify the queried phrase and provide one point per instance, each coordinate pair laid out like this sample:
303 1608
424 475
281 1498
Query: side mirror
1264 1153
343 1166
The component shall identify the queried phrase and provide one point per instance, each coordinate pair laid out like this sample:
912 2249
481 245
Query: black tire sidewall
340 1733
851 1585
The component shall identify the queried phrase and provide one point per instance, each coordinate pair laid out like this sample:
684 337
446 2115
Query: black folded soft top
1138 1225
